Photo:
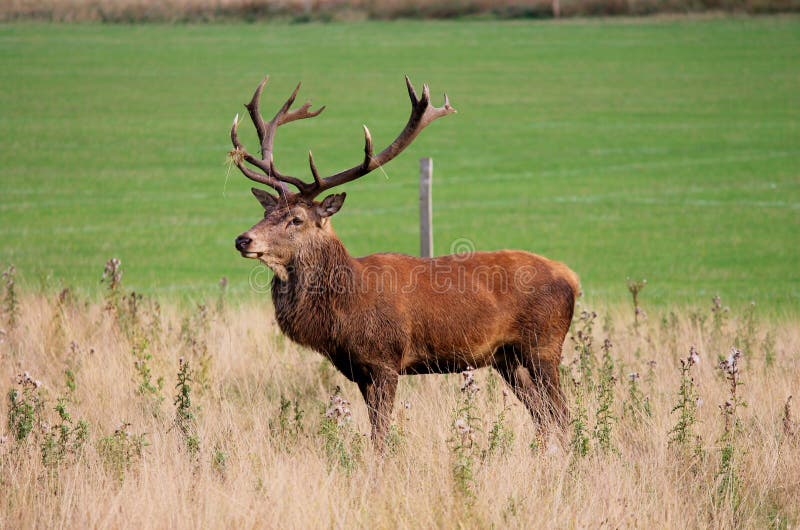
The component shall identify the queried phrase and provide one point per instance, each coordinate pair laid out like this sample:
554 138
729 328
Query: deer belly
441 358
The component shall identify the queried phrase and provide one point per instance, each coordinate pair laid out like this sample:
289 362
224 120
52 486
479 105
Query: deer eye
296 221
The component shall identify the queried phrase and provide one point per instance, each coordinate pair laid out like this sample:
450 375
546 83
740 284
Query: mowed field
667 149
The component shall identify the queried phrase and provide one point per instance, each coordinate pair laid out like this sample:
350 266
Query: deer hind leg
379 389
521 382
536 384
542 363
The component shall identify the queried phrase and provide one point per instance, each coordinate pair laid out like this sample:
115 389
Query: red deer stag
385 315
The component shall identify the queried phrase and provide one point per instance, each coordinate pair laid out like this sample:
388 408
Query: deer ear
267 200
330 204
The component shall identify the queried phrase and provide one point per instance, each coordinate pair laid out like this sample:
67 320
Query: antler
422 114
266 134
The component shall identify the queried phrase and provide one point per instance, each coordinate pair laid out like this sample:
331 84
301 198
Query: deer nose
242 242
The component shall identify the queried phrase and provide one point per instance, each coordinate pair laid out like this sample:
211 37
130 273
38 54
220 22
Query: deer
384 315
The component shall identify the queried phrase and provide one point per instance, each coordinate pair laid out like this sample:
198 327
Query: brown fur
386 315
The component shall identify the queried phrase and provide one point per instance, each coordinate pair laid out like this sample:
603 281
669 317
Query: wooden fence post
425 208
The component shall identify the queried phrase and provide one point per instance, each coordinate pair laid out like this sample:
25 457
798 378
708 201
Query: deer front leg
379 388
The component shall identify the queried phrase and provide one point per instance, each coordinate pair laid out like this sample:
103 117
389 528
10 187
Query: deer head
295 219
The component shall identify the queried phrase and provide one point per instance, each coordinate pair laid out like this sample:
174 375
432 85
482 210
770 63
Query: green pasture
664 149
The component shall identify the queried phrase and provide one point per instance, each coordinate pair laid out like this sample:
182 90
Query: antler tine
239 154
285 115
266 135
314 171
422 114
255 115
426 95
411 92
367 147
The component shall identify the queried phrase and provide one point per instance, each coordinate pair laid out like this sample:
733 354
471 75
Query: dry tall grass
256 467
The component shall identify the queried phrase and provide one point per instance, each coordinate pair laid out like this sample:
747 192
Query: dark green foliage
604 416
683 435
121 450
343 444
25 407
185 419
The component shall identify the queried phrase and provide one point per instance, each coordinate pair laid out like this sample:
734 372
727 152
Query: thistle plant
788 422
185 420
219 462
129 315
637 405
147 388
635 287
25 407
288 425
343 444
492 382
501 436
66 299
728 476
768 346
65 439
730 369
194 330
683 434
69 381
747 332
396 437
579 441
582 338
283 417
155 326
463 446
651 372
29 425
121 450
604 416
10 299
719 316
112 277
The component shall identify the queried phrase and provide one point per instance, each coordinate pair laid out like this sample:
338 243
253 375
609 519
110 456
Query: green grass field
665 149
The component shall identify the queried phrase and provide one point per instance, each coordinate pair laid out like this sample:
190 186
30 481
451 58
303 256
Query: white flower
731 363
469 385
123 429
339 409
462 426
694 357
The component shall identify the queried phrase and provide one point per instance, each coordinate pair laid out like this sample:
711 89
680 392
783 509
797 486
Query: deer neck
319 284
